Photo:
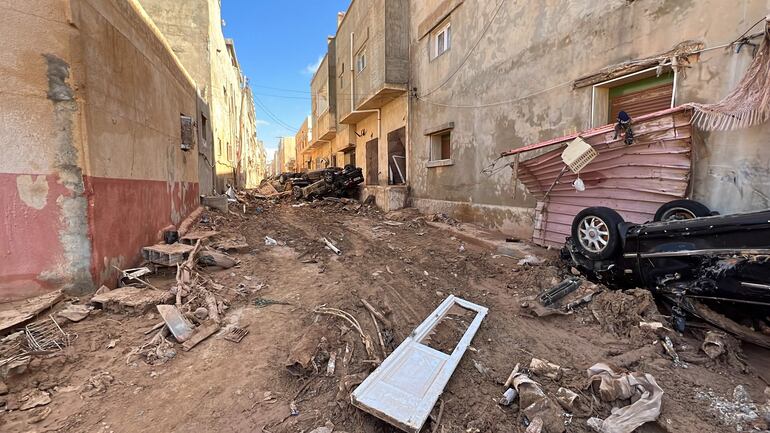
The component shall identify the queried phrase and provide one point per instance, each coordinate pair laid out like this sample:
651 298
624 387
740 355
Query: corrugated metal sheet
638 104
634 180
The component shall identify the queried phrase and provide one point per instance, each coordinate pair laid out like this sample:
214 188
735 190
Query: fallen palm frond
747 105
365 338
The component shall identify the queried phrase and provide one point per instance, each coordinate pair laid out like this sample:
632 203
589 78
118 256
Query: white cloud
311 68
261 122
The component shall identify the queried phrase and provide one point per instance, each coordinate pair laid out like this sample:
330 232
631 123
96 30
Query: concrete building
303 139
493 76
286 155
100 150
194 29
369 72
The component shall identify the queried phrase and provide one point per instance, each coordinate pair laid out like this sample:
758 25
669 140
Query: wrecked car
686 252
329 182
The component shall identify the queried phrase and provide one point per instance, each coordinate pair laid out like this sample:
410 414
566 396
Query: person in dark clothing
624 125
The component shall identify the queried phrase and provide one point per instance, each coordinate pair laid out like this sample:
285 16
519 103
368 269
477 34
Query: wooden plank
28 310
201 333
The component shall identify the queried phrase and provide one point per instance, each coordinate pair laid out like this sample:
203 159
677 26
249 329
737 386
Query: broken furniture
406 386
167 255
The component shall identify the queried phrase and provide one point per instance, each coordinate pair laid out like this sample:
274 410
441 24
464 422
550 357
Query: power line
273 116
280 89
470 51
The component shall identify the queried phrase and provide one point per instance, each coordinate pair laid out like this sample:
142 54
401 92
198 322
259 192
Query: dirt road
403 267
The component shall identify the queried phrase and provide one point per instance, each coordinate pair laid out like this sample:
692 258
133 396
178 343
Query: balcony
379 33
325 128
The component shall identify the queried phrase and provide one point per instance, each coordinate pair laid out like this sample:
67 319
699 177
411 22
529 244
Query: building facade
494 76
100 149
303 139
428 94
286 155
194 29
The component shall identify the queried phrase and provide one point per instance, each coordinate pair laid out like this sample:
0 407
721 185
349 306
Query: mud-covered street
404 265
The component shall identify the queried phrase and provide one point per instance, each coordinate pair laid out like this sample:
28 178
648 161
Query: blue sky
279 43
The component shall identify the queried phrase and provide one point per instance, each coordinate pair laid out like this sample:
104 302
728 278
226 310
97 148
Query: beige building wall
515 88
371 79
94 164
286 155
195 30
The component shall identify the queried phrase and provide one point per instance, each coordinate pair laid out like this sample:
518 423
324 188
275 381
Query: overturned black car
686 253
329 182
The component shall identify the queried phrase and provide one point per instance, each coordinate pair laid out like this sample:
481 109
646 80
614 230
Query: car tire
595 232
681 210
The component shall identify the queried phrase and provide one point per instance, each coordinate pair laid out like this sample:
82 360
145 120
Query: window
204 128
349 157
442 40
186 123
323 100
361 60
440 149
637 94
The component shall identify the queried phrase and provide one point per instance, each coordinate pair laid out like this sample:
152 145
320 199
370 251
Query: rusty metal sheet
634 180
406 386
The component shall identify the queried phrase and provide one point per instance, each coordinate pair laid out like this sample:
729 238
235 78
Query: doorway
372 168
397 157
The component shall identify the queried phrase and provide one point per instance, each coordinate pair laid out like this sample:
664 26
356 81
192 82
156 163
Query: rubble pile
273 313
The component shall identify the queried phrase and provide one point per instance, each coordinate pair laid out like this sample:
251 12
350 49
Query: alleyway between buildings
116 376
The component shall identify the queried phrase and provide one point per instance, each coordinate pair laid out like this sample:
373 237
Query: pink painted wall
126 214
29 238
92 166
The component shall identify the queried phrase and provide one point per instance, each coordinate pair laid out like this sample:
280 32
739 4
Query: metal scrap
559 291
236 334
46 336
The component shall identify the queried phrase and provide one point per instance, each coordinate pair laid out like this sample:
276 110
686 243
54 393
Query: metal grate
46 336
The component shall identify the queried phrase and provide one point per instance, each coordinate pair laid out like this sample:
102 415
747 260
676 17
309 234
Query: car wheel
681 210
595 232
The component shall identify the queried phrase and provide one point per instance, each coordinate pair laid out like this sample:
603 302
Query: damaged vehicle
686 253
329 182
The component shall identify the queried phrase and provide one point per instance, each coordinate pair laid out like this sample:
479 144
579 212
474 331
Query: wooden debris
331 246
741 332
332 364
365 338
23 313
131 300
201 333
193 237
377 314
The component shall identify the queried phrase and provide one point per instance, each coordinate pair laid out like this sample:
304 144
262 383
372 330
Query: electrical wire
493 104
510 101
275 118
470 51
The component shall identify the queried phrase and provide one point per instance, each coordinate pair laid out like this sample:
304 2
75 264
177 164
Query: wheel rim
593 234
677 214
